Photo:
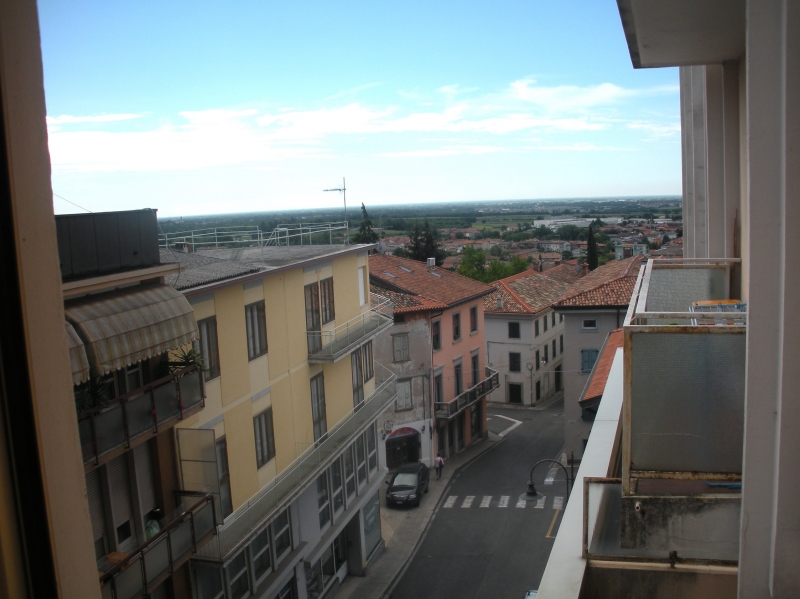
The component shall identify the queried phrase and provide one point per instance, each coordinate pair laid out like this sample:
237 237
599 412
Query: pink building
449 309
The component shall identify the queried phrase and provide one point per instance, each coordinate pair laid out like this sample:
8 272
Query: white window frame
590 327
264 430
256 326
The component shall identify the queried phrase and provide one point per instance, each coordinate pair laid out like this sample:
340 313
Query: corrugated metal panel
120 486
96 512
144 477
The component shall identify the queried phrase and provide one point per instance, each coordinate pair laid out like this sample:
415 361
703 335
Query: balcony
331 346
129 420
182 533
448 409
303 471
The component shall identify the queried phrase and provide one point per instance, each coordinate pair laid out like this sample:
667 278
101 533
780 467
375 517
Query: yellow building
287 441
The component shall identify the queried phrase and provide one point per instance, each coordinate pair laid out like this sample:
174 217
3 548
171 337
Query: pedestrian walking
438 464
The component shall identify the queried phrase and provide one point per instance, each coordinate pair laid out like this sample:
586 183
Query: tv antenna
343 191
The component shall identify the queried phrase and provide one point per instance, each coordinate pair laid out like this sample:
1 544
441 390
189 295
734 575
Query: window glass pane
208 347
259 550
349 471
281 534
322 500
236 571
337 485
361 460
369 366
514 362
208 580
473 319
372 449
326 300
513 330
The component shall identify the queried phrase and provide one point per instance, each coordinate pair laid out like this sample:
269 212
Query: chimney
431 262
584 269
499 302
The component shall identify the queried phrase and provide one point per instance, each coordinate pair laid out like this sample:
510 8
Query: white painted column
770 531
687 160
715 161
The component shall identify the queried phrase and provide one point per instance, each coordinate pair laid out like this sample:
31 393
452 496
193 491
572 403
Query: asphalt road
483 548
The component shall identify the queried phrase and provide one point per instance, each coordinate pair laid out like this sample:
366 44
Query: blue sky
198 108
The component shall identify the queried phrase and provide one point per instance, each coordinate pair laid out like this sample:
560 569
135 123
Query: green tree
568 232
472 264
665 239
401 253
365 234
424 244
591 251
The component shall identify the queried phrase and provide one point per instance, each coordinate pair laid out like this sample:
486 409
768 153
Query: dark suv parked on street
407 485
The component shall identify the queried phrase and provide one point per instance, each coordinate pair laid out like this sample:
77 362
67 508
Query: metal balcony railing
448 409
146 567
247 236
240 526
683 410
330 346
125 421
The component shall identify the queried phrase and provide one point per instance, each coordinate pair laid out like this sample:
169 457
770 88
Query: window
438 388
323 500
458 377
436 334
361 460
588 358
372 449
546 357
369 364
349 472
318 406
560 318
256 322
404 401
313 325
538 363
260 555
362 290
514 362
337 486
226 505
209 347
554 318
281 535
538 390
513 330
473 319
554 348
265 437
536 327
475 370
237 576
400 345
357 376
326 300
589 325
456 326
544 323
561 344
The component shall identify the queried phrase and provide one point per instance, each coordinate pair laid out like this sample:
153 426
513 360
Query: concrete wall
576 338
498 346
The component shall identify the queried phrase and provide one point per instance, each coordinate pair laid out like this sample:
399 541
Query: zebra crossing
557 502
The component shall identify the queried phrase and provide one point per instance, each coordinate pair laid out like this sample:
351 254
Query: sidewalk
402 529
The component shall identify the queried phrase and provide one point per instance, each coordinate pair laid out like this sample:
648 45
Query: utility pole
343 191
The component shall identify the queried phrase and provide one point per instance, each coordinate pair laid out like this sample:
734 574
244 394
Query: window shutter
144 477
95 494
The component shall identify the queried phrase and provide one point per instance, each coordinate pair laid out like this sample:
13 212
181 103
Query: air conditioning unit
431 262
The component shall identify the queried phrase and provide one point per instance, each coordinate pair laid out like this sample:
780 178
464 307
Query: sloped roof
404 303
530 291
416 278
608 285
597 383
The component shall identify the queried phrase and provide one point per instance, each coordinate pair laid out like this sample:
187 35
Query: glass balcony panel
85 433
191 389
139 412
156 560
181 539
109 428
166 397
130 582
203 521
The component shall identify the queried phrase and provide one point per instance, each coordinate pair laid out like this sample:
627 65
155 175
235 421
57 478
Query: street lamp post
532 494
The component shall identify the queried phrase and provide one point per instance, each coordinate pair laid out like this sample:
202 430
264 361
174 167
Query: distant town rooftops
529 292
416 278
610 285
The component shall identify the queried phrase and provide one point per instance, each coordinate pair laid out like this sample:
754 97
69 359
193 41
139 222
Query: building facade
525 336
459 379
592 308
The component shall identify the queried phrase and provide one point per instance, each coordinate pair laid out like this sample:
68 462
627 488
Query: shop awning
77 356
404 431
126 326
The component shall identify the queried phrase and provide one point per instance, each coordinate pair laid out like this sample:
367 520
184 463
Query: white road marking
521 503
487 499
551 474
540 504
503 501
510 428
558 503
468 501
450 501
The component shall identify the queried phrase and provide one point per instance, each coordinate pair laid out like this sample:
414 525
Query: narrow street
483 542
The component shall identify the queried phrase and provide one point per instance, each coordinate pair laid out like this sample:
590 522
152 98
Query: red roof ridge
516 296
599 378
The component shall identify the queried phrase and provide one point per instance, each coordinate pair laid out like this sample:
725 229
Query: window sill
265 463
459 340
257 357
401 361
471 333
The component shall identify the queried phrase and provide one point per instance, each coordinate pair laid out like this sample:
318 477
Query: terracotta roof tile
597 383
608 285
405 303
530 291
416 278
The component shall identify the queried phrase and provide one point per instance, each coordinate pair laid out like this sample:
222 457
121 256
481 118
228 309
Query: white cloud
581 147
101 118
656 130
572 97
446 151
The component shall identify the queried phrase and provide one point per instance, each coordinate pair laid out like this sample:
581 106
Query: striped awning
77 356
126 326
